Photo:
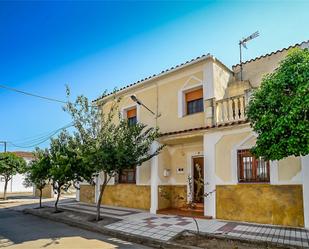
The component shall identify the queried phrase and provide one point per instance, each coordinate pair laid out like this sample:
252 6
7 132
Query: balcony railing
230 109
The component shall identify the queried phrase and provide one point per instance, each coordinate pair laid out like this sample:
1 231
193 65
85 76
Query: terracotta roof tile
193 60
272 53
157 75
203 128
23 154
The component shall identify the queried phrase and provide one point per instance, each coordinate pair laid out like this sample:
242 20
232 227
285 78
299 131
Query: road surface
18 230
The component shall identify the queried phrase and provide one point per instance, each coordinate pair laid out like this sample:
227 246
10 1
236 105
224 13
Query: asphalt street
19 230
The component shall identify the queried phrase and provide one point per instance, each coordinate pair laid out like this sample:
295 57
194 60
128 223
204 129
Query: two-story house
199 107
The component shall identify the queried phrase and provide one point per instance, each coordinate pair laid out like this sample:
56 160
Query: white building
15 185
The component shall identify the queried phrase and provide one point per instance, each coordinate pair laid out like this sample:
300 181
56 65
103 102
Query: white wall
16 185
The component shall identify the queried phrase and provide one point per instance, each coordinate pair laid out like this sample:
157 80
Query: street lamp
137 101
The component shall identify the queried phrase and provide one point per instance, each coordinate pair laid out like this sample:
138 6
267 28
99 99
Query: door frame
192 170
190 157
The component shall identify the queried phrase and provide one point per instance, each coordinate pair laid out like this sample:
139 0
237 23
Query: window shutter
131 113
193 95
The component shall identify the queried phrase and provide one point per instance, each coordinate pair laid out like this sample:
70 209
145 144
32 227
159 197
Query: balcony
230 110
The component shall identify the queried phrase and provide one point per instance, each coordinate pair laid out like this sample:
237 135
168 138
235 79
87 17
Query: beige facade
218 134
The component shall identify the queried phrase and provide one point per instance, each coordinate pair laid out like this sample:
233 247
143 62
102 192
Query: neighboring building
15 185
201 107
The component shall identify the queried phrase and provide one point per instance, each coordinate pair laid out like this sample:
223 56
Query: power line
42 136
40 140
36 95
32 94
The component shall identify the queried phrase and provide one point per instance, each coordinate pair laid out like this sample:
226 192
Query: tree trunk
5 188
41 198
57 200
101 195
100 199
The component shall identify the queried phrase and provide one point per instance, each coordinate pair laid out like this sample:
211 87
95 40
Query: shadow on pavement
17 227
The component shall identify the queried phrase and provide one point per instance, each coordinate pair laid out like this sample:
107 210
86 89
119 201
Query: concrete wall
16 184
224 147
47 192
87 193
255 70
170 196
289 168
127 195
261 203
163 96
279 202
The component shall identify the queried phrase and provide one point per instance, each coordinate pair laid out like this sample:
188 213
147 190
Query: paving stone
165 227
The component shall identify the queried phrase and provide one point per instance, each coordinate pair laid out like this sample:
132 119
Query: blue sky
93 46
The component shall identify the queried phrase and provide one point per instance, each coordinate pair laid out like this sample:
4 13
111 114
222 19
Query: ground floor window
251 169
127 176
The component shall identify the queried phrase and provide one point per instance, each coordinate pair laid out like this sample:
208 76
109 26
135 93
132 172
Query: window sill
242 183
189 115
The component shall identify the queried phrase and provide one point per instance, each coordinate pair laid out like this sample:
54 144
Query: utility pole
4 143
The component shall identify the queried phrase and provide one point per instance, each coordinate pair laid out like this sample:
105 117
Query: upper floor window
194 101
251 169
131 116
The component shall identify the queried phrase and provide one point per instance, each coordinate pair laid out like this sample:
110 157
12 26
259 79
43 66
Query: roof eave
152 78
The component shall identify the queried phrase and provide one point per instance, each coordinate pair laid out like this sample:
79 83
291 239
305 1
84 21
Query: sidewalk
165 227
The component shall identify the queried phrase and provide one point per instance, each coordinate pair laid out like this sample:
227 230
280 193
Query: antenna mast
242 43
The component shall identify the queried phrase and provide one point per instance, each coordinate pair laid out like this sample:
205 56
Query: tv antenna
243 43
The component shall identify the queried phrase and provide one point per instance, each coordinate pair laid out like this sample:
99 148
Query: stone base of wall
127 195
87 193
172 196
46 192
261 203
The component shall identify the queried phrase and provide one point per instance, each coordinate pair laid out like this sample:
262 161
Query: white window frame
125 109
182 107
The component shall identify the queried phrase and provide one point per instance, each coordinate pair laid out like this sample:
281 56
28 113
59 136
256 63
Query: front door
198 178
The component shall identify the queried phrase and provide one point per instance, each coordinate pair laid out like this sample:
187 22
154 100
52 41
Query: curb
118 234
147 241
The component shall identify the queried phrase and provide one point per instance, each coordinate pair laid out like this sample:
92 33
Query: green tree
279 109
10 165
38 171
109 143
64 163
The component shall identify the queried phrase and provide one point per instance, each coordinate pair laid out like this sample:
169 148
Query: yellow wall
179 159
288 168
223 154
170 196
127 195
165 90
221 79
261 203
236 88
255 70
87 193
168 107
164 162
46 192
